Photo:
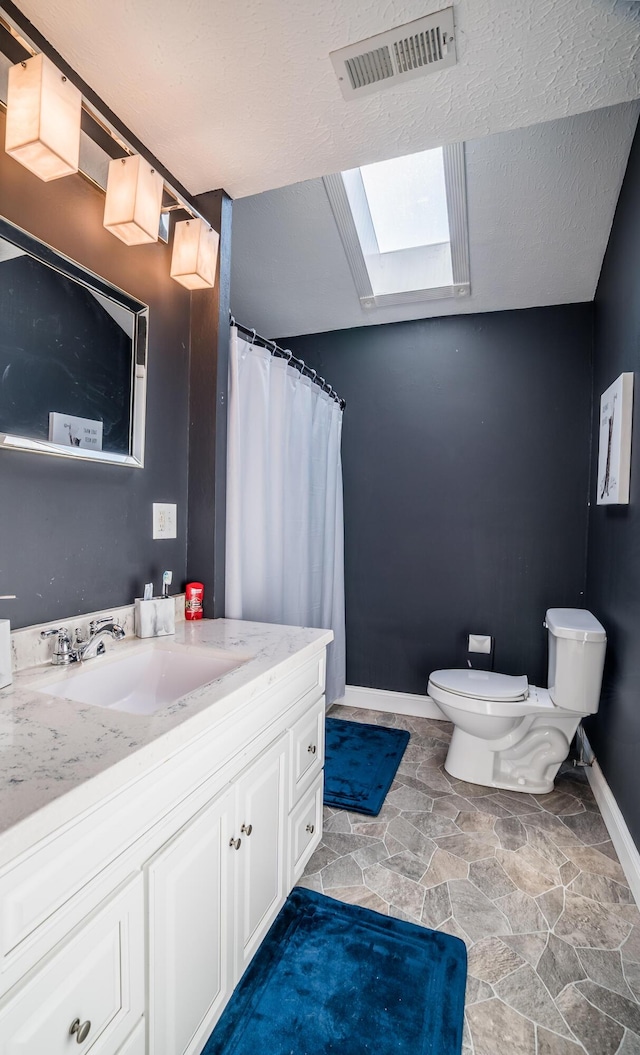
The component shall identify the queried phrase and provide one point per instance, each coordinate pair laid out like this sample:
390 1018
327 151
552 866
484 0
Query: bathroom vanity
144 857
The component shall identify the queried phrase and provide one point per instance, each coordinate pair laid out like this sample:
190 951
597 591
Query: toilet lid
482 684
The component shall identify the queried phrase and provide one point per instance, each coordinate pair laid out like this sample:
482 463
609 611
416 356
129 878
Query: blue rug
331 977
360 764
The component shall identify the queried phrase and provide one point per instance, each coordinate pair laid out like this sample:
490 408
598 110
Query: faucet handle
61 631
95 624
62 653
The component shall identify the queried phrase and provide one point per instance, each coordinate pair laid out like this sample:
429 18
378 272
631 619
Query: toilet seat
510 696
482 684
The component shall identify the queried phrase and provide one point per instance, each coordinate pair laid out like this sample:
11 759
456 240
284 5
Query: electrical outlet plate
165 520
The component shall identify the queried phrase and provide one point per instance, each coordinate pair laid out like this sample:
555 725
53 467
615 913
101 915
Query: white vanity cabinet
172 883
214 890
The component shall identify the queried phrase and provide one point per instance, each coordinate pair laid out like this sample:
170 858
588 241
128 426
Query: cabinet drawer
307 750
305 828
97 977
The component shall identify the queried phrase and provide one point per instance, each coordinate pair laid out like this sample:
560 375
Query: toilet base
529 763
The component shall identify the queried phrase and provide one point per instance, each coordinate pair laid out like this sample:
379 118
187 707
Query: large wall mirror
73 357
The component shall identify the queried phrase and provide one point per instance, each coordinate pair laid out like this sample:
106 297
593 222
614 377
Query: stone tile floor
531 883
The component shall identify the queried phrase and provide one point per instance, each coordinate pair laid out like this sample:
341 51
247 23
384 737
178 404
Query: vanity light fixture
44 111
134 200
195 254
43 119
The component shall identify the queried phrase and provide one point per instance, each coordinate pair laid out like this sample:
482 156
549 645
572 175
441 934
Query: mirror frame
137 411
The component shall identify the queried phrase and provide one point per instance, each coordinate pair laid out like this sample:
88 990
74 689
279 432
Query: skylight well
403 226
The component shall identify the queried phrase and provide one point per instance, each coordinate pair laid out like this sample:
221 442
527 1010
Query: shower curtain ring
253 337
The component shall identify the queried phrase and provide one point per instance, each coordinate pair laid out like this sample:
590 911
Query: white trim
455 176
394 702
341 207
621 838
415 296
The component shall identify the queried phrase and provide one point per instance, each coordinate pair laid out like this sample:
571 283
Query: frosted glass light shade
195 254
134 200
43 119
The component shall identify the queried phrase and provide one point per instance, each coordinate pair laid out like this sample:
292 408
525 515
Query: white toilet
509 734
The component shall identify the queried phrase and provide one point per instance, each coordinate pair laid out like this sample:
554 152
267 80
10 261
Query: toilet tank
577 644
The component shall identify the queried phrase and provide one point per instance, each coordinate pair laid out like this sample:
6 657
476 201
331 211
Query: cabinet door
190 952
92 991
260 860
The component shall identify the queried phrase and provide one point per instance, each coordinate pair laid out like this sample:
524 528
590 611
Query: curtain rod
286 353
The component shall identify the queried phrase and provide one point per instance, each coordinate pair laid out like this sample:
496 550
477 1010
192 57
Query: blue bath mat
360 764
336 978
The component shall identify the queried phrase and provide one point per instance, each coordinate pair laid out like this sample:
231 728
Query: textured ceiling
540 201
243 95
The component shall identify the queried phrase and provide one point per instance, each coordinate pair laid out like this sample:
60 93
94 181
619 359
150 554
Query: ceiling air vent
397 55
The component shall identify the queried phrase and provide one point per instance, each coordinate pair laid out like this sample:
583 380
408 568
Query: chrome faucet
94 645
65 652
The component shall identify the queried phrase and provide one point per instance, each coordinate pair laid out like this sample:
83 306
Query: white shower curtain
285 536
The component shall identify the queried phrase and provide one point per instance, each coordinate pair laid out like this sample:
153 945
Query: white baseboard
616 825
393 702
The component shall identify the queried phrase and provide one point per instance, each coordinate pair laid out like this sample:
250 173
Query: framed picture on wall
614 452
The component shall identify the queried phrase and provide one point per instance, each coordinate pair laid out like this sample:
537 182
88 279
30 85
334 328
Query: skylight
403 226
407 200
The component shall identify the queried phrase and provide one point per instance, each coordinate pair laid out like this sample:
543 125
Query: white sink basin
145 681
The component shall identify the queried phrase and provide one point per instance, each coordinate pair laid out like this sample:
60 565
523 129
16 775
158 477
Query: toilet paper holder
480 651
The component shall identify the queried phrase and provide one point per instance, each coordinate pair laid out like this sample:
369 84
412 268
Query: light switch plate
165 520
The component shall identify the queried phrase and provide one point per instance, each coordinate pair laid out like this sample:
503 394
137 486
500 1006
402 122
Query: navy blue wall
466 463
613 583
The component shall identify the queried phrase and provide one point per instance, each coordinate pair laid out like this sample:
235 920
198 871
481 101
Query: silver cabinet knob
81 1030
235 843
247 829
311 828
312 749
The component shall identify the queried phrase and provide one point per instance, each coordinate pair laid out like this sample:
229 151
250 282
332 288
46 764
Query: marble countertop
58 757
